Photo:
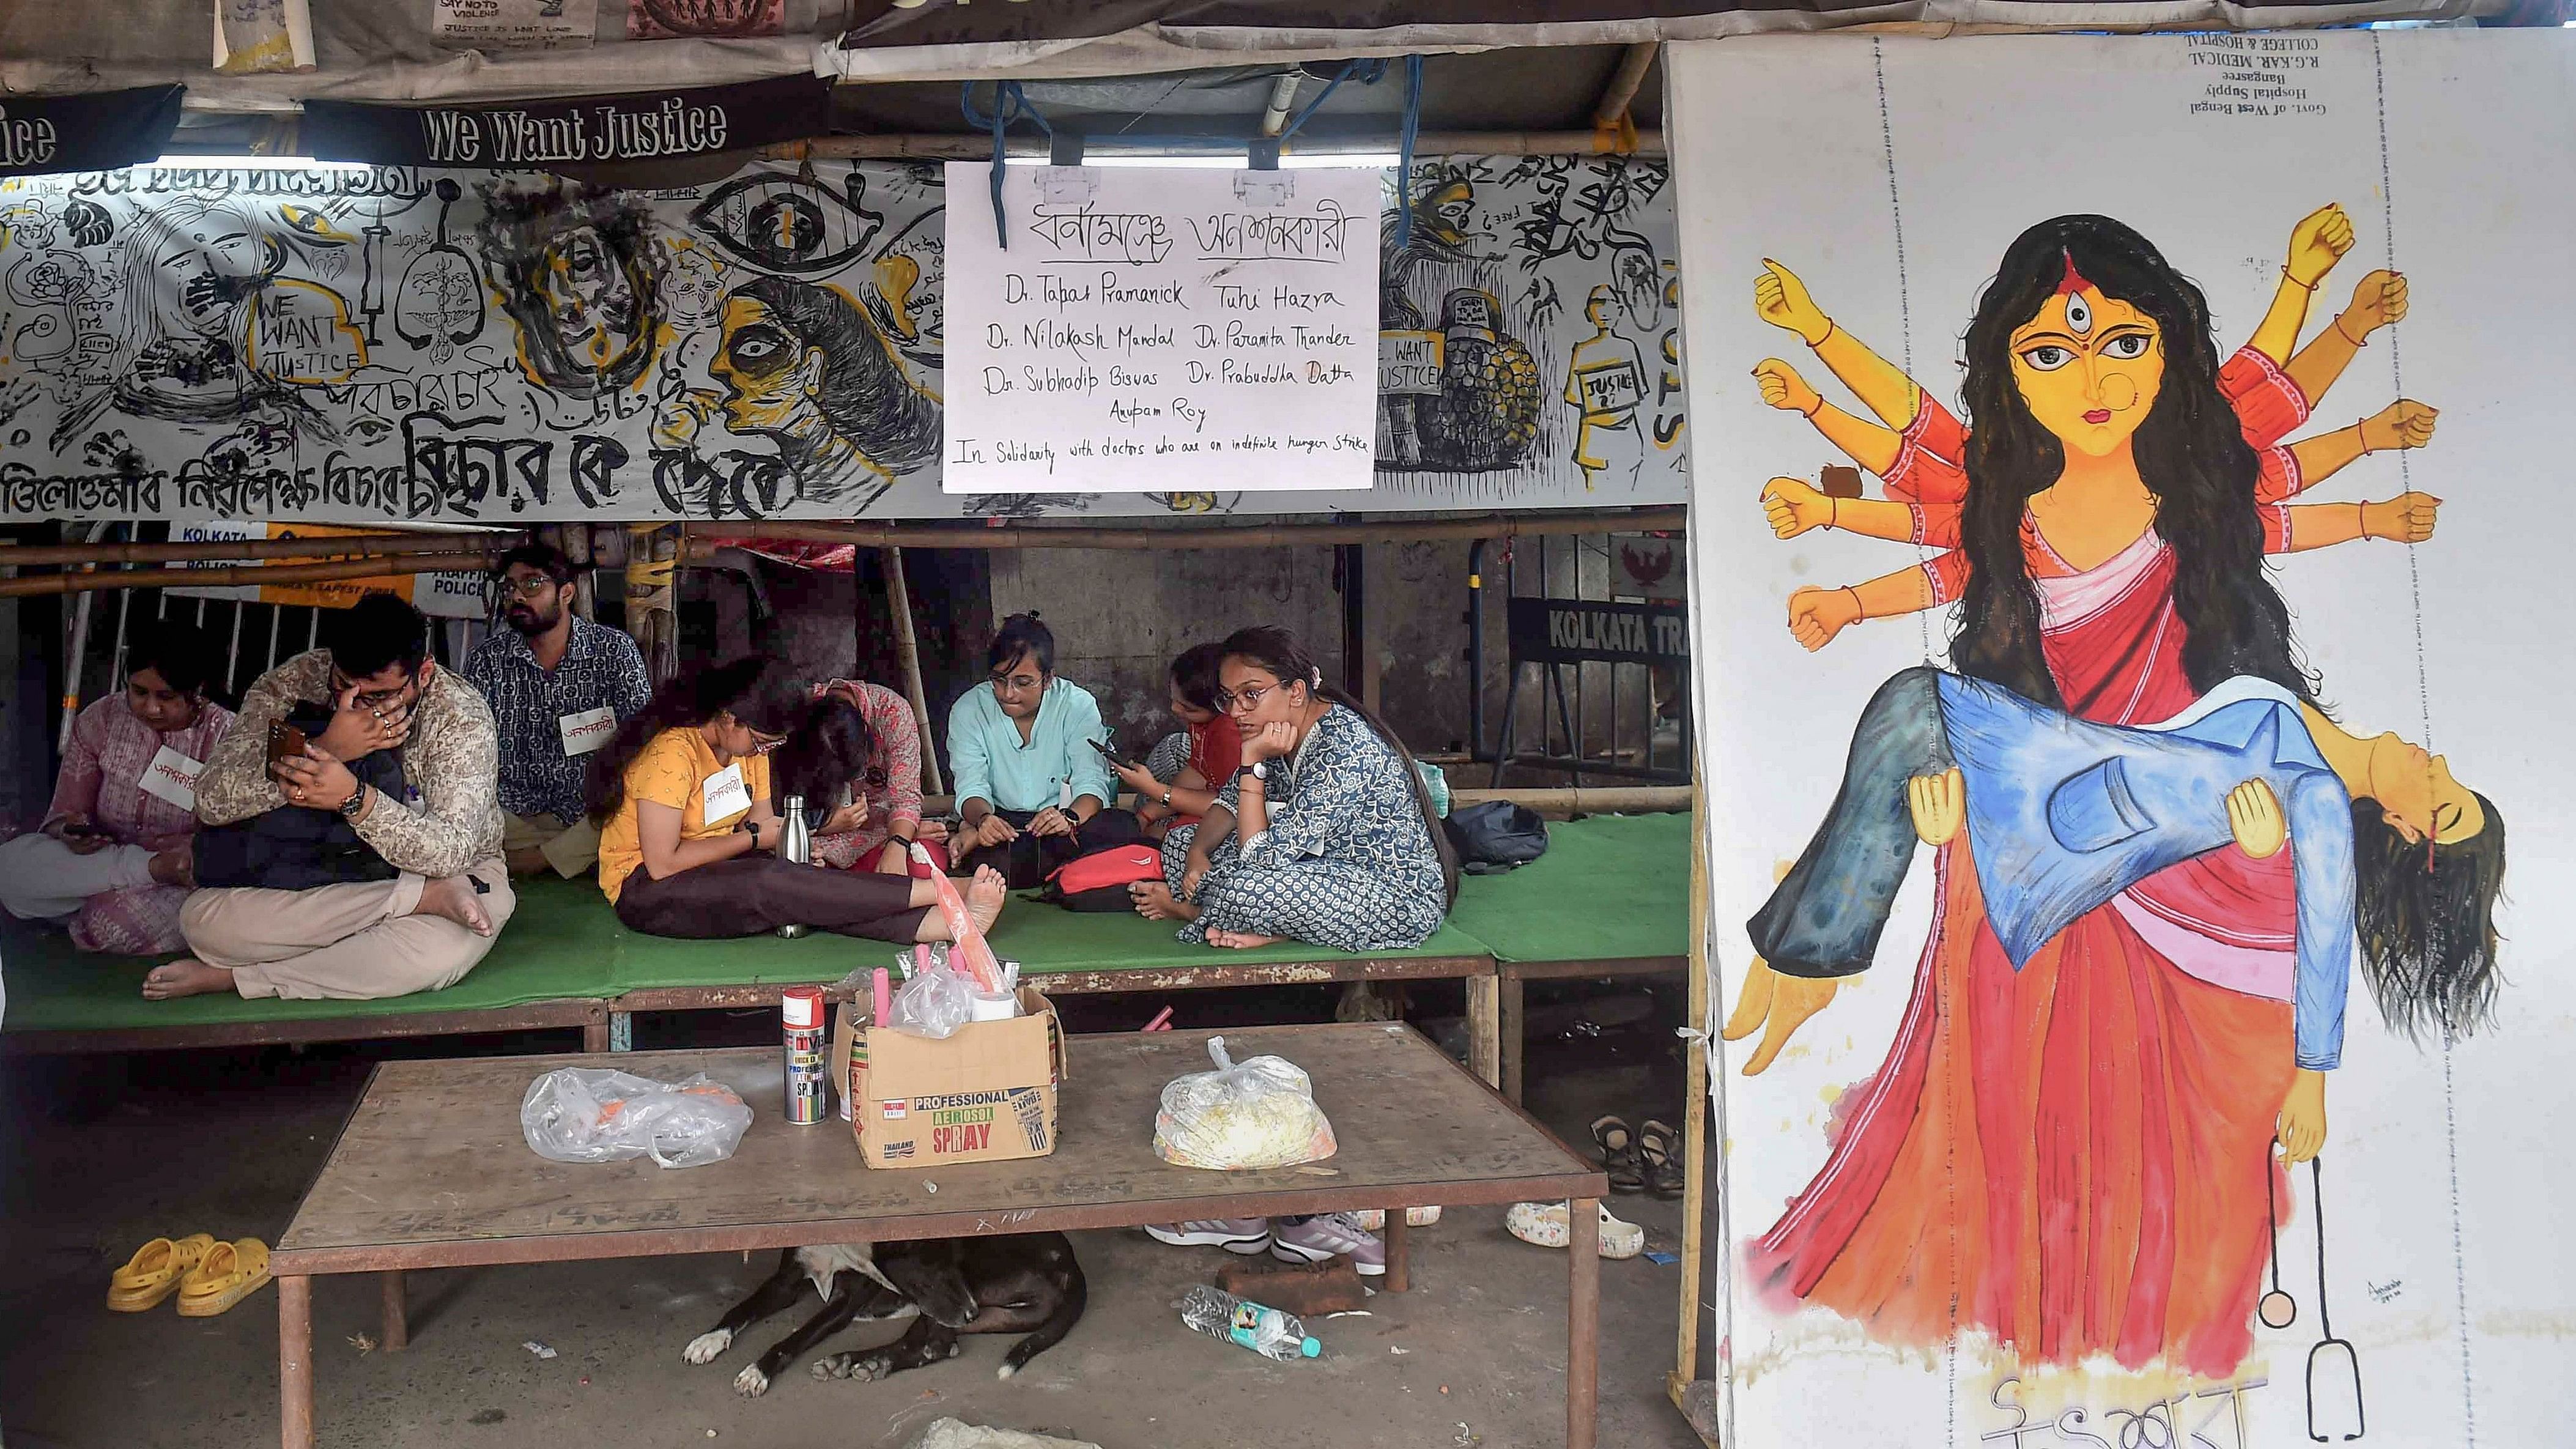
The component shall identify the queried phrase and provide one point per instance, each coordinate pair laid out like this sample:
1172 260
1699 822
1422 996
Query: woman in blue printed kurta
1325 835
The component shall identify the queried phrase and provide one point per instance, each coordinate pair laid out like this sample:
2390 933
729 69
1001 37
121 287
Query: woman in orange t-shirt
689 834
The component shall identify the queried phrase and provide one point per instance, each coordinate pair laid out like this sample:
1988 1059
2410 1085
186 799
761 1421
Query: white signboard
1161 329
513 24
1979 1198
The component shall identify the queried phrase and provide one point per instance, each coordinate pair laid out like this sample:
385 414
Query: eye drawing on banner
439 307
2155 855
572 269
787 224
807 368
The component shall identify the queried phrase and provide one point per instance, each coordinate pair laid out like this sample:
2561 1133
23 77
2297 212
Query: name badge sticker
722 796
172 777
588 730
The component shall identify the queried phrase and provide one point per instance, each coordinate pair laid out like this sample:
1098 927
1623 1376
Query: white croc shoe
1547 1225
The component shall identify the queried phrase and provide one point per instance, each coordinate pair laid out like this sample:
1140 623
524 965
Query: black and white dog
1027 1283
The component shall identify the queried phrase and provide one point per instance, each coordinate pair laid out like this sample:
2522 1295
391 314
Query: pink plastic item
966 939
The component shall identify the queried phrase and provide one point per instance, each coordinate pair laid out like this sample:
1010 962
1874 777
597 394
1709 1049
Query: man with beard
558 685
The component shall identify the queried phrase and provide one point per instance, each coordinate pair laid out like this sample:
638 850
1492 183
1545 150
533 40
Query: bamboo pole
33 555
950 146
1633 65
402 566
1695 1121
1586 800
907 653
1490 525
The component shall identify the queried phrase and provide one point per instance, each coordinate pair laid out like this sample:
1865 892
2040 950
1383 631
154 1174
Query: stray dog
1027 1283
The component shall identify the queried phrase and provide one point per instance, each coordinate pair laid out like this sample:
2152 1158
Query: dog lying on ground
1026 1283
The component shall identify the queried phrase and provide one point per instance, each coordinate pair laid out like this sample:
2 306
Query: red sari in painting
2069 1157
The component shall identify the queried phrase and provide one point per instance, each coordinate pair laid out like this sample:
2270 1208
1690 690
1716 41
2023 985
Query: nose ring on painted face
2119 393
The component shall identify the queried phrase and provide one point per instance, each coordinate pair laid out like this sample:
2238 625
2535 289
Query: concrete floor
98 1156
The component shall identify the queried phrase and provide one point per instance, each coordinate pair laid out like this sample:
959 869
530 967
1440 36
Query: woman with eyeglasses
1326 832
1024 758
689 833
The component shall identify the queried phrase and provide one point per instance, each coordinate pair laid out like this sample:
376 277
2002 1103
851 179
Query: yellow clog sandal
230 1273
153 1273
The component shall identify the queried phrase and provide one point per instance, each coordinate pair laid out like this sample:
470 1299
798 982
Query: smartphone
1112 756
82 832
285 742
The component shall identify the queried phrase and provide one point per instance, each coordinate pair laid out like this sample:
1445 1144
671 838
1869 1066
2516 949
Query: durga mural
2156 855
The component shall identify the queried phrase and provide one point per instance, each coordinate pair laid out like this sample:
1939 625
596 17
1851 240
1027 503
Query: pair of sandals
1643 1159
208 1276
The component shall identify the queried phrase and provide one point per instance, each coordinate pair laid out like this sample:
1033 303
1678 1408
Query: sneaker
1333 1235
1244 1236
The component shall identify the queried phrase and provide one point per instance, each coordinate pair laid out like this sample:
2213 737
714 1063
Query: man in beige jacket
429 925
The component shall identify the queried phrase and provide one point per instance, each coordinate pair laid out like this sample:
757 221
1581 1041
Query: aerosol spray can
808 1062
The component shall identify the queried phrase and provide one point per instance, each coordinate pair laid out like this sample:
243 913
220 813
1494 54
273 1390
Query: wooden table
431 1172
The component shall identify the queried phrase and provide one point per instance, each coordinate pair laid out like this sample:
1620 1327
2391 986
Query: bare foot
1241 940
176 866
455 899
185 977
528 860
985 896
1155 902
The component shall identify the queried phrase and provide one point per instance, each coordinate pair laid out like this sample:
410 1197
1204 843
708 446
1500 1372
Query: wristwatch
356 802
754 827
1259 770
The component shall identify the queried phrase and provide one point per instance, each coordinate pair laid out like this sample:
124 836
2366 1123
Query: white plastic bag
934 1003
1260 1113
586 1114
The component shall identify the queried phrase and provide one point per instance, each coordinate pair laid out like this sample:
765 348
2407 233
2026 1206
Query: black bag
294 847
1495 837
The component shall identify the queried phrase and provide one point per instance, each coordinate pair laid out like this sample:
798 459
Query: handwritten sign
1153 329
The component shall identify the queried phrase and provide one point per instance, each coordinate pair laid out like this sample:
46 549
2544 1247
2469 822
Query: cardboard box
987 1094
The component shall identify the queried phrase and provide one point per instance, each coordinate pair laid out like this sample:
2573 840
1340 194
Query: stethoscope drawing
2277 1309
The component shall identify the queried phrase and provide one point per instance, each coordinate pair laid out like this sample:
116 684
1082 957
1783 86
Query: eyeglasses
378 699
762 744
536 586
1017 683
1244 700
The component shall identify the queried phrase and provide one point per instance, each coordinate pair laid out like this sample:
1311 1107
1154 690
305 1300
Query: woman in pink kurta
113 857
887 779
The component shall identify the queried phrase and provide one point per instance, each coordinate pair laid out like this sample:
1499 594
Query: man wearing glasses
559 685
368 862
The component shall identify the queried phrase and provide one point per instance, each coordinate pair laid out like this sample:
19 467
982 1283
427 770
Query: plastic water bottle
1266 1331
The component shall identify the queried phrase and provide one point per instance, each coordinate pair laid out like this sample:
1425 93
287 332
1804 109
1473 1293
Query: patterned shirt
600 668
451 765
892 782
102 775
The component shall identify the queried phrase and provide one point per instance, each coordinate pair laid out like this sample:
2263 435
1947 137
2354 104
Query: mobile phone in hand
285 742
1112 756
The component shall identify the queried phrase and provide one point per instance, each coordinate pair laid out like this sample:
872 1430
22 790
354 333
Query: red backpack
1099 881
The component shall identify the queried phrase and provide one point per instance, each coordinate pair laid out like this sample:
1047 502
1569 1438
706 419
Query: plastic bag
1260 1113
934 1003
586 1114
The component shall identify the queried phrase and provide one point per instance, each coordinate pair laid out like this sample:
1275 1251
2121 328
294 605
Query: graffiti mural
1516 311
2092 896
356 345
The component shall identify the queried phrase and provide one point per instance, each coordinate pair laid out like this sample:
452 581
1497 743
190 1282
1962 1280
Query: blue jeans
1825 917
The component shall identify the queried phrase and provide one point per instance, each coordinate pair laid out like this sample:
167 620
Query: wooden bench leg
1484 1029
594 1035
295 1362
1399 1254
397 1321
1515 1033
1583 1325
